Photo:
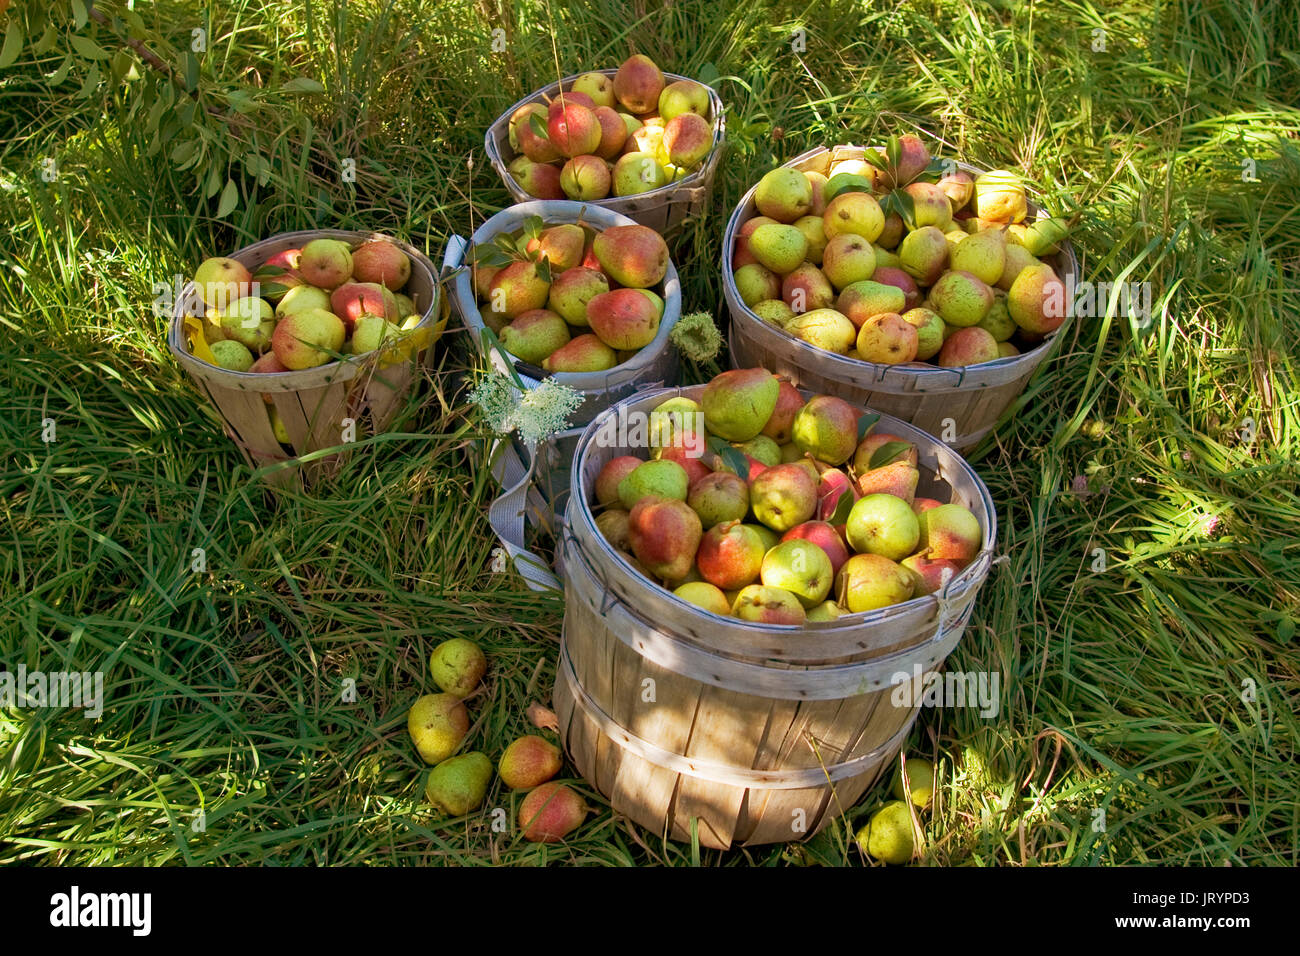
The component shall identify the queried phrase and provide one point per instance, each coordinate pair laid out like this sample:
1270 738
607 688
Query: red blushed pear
550 812
768 605
873 442
562 245
898 479
611 474
741 256
826 428
326 263
352 300
665 534
569 98
638 83
783 496
538 148
541 180
949 532
613 133
623 318
929 575
924 504
518 288
788 404
730 555
633 256
221 281
825 537
574 130
695 468
381 262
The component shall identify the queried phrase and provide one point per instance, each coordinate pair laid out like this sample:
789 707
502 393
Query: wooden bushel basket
972 398
314 404
661 209
758 733
538 488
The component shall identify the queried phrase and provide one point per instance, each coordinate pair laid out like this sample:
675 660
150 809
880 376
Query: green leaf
887 453
46 43
505 243
229 199
191 72
91 83
303 84
865 424
893 152
873 158
492 343
1285 630
707 74
537 126
842 508
13 41
732 457
88 48
544 269
61 74
533 226
80 13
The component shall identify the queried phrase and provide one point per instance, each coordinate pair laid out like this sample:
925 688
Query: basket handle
506 513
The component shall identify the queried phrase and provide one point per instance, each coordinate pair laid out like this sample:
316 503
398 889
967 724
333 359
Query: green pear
779 247
998 322
784 194
234 356
458 785
738 403
659 478
437 724
961 298
534 335
457 666
983 255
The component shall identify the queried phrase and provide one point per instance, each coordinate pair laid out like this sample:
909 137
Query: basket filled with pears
307 340
924 287
634 140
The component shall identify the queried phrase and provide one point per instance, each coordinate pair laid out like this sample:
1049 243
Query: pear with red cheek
665 534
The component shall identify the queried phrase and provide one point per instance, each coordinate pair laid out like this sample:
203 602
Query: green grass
1122 689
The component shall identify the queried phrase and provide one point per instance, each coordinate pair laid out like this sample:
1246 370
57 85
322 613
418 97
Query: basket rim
344 369
1021 364
970 577
699 177
557 212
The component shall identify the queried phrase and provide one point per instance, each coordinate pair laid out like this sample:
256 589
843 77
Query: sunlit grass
1148 711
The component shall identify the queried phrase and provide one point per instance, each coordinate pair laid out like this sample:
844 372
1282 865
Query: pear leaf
865 424
887 453
842 508
894 152
733 458
872 158
537 126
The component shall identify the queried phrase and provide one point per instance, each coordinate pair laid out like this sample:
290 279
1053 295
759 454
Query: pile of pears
900 259
458 783
570 299
303 308
620 136
759 504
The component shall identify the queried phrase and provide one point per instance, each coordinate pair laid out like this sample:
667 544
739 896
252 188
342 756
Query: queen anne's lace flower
536 414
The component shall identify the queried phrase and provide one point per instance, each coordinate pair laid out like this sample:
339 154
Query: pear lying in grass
529 762
437 724
457 666
550 813
458 785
